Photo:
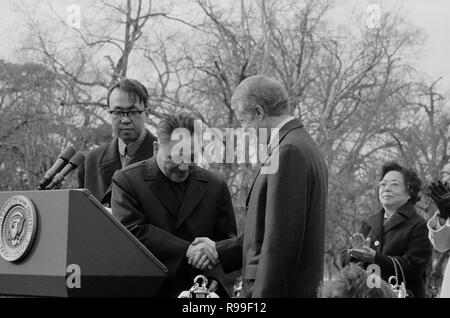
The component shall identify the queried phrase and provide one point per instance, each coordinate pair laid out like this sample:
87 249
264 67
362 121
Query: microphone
62 160
73 164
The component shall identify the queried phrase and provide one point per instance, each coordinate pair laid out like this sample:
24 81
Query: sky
431 16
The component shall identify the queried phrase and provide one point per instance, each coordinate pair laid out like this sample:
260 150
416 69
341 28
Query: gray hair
264 91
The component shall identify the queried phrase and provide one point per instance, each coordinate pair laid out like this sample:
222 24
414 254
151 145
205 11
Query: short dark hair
412 181
169 123
136 90
261 90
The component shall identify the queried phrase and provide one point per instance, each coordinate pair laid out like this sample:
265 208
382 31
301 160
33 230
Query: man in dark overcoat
166 203
128 106
283 240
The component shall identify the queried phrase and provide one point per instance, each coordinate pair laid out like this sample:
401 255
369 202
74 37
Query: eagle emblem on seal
18 223
15 230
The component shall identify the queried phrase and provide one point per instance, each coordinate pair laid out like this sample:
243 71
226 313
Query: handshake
202 253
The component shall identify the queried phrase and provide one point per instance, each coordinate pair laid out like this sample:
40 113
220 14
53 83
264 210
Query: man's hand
202 253
440 193
366 254
209 245
204 240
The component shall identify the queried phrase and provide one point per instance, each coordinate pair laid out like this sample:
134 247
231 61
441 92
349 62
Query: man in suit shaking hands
283 240
283 247
167 202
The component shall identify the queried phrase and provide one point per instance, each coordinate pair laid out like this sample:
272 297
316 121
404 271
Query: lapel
145 150
159 185
293 124
251 187
403 213
195 190
109 162
375 222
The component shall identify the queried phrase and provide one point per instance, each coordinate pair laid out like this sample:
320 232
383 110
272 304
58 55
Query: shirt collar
122 147
131 148
276 130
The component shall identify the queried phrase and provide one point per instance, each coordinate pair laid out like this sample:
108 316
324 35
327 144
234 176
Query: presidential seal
17 227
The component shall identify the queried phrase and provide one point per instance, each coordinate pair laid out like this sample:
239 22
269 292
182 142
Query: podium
78 250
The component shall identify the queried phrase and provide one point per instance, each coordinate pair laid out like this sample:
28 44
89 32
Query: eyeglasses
118 114
392 184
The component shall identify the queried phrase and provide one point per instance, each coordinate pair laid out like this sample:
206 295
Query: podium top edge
86 191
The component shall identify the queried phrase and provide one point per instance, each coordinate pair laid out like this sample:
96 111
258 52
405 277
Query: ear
155 147
259 112
407 191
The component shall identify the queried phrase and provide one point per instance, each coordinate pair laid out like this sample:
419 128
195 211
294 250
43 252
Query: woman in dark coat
396 231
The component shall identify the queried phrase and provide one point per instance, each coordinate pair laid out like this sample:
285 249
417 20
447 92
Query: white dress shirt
275 132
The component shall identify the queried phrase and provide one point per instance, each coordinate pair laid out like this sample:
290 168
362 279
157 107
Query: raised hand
440 193
361 248
358 241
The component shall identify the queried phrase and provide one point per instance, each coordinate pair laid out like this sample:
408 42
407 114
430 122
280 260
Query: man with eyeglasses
128 107
167 201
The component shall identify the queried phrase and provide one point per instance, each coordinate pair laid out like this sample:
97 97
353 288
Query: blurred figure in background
351 282
396 231
439 227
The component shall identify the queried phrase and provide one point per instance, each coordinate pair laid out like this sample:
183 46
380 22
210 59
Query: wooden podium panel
75 234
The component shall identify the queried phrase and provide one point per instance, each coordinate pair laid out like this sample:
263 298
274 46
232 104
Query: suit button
376 243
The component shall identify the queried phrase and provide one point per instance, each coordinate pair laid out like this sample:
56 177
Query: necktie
126 157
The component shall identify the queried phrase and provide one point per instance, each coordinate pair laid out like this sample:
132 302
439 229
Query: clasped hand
202 253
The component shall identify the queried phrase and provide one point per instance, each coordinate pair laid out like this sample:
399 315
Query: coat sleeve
229 246
439 235
414 260
285 221
168 248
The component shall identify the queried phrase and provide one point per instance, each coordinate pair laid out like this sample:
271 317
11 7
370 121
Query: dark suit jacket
285 224
144 202
101 163
405 237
